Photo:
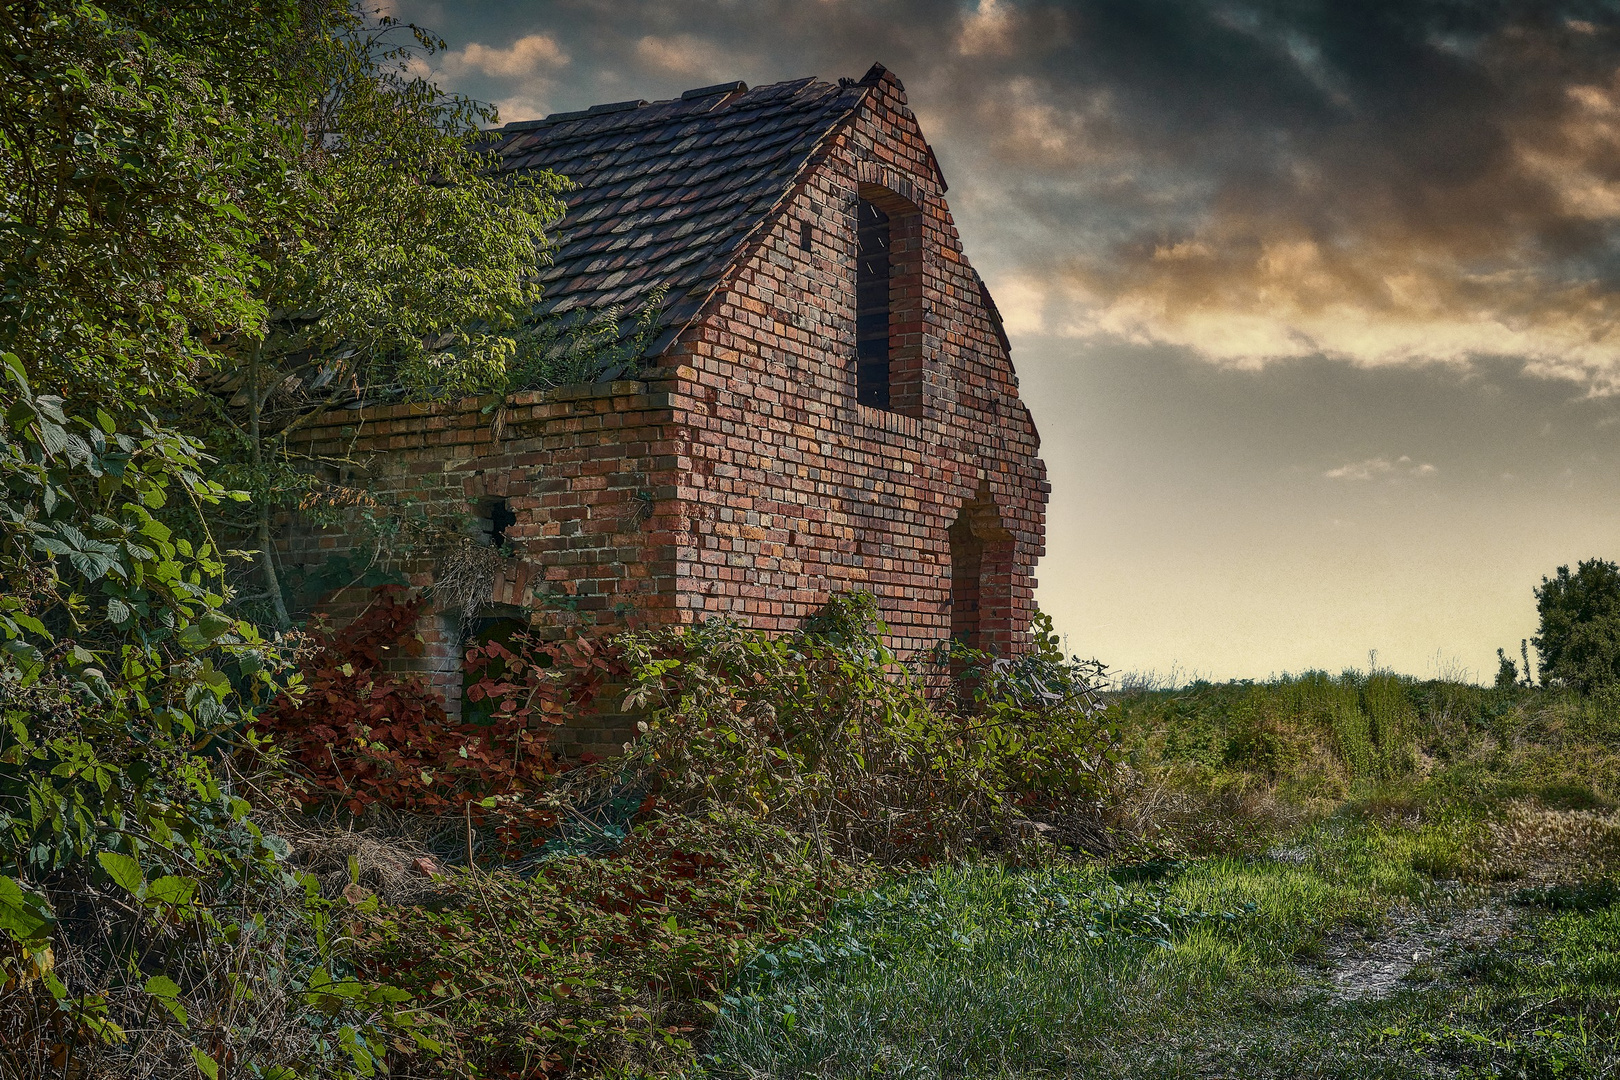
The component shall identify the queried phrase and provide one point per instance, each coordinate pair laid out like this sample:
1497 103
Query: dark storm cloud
1383 181
1387 182
1427 190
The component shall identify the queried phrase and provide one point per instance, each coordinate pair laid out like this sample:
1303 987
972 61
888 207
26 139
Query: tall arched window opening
872 307
967 568
981 577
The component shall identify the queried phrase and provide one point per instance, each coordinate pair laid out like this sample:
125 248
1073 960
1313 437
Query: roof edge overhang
745 247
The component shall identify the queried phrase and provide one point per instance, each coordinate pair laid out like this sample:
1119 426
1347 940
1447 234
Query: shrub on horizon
1579 638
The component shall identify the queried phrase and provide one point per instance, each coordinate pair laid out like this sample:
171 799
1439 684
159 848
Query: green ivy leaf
124 870
26 916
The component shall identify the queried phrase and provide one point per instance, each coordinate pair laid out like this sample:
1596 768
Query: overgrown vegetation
188 189
149 925
1301 746
773 775
1361 875
229 850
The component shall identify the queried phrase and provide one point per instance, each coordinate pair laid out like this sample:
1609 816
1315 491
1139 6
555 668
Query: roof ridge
670 193
735 86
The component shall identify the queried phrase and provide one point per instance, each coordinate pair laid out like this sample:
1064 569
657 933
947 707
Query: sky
1316 304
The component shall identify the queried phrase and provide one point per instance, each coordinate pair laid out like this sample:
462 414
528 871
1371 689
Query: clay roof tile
668 192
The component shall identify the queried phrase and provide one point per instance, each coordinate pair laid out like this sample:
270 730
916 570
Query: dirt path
1360 967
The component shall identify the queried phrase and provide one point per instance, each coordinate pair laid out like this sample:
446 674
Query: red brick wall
800 492
592 474
741 477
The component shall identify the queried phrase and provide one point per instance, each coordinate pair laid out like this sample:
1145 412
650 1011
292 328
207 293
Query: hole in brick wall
499 517
804 235
967 566
499 627
981 601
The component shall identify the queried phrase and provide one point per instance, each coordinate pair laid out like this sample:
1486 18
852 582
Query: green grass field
1355 876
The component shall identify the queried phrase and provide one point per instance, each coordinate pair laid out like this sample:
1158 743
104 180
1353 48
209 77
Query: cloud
525 71
1390 182
1388 187
684 55
527 56
1380 468
988 31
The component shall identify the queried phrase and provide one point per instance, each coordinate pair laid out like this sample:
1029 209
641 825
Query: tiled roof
667 192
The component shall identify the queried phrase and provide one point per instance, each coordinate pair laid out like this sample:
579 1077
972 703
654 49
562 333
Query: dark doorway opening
981 577
967 573
482 631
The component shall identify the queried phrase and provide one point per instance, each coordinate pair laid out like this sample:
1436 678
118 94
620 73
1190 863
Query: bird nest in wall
465 579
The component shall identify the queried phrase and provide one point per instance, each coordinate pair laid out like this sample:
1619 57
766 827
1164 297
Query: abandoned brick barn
829 403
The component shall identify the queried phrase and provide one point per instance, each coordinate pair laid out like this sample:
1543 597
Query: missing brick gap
500 517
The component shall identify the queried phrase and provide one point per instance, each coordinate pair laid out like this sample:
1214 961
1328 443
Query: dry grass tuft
395 867
1540 846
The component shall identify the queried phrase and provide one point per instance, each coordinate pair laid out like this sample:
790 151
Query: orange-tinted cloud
1397 185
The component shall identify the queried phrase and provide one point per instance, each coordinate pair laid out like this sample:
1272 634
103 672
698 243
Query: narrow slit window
804 236
872 307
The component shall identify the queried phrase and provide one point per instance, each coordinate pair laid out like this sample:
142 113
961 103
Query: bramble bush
360 736
774 774
825 732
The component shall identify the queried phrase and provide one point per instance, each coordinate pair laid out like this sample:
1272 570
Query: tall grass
1312 740
1290 819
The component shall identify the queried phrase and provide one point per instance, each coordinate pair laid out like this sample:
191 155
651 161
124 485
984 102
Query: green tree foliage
148 156
144 918
132 156
1579 641
389 258
262 203
395 255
